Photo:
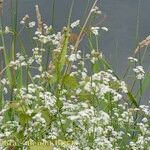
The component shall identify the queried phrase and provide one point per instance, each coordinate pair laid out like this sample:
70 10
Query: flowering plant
68 100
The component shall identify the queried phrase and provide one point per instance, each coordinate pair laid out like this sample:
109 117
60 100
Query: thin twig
81 34
83 28
39 18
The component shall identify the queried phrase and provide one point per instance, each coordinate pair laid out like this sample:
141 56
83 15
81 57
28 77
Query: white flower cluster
90 109
74 57
139 72
96 10
104 28
20 61
132 59
24 19
100 84
47 29
75 24
81 114
95 30
37 53
95 56
32 24
5 83
7 30
55 39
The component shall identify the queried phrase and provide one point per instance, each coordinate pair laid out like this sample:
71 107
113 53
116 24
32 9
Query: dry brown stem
1 7
39 19
145 42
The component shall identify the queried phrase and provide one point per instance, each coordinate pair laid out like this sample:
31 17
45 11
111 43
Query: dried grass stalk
83 28
1 7
39 19
145 42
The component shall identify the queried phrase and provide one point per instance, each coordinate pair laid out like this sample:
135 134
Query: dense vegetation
57 92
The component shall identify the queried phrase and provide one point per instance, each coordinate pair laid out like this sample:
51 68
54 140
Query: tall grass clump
61 95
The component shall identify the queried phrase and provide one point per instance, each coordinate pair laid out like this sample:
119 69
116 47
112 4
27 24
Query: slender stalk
1 90
14 43
80 35
5 55
137 34
53 13
139 56
84 26
145 50
14 25
70 13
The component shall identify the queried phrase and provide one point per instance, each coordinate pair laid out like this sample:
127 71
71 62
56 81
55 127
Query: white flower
140 76
38 118
88 87
73 117
95 30
5 90
7 30
148 37
132 59
94 59
40 68
24 19
31 24
78 91
84 75
139 72
96 10
38 33
1 48
7 133
29 112
123 87
104 117
104 28
87 56
74 57
144 120
138 69
22 22
75 24
4 81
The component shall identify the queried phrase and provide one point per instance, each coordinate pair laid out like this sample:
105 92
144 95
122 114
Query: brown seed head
1 7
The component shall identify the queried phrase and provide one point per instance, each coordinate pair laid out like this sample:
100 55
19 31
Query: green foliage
67 99
70 81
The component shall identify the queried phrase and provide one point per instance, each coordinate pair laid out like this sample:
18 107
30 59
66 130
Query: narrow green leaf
6 56
70 81
132 98
23 118
63 53
145 83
